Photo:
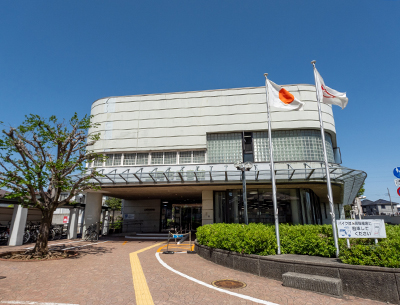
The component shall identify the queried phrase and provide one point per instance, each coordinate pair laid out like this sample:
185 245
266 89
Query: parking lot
121 271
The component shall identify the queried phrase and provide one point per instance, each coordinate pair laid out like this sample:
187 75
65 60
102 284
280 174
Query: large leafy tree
114 203
42 158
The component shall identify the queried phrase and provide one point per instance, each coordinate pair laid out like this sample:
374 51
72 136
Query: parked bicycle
4 234
91 233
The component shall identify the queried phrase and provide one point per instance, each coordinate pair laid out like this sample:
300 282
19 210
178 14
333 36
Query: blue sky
57 57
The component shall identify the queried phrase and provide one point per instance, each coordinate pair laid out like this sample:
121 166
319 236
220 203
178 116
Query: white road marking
34 303
242 296
60 243
85 245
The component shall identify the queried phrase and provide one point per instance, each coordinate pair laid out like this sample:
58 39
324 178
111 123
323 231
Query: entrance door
181 217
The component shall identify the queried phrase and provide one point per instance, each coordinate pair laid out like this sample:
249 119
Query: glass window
142 159
199 157
224 147
170 158
292 145
117 159
185 157
109 159
129 159
157 158
98 161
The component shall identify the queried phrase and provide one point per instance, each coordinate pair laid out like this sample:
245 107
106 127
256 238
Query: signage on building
364 228
397 182
66 219
129 216
396 172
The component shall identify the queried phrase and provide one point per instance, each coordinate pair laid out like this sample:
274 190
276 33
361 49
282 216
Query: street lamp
244 166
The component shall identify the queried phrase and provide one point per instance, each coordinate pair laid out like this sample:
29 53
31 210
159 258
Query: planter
377 283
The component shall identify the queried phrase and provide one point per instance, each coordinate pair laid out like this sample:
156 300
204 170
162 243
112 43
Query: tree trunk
41 247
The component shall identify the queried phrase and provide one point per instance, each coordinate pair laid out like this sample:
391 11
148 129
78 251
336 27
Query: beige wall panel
147 211
181 120
207 207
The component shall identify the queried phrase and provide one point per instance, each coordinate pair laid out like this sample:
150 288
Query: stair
316 283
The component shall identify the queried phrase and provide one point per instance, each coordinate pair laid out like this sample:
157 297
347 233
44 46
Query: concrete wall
146 210
181 120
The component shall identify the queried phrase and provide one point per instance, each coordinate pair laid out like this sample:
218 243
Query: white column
92 210
106 218
73 223
18 224
207 207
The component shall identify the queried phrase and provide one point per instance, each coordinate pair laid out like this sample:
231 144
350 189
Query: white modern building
171 157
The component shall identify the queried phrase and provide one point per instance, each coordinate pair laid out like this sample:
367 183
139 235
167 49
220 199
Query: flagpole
271 159
328 177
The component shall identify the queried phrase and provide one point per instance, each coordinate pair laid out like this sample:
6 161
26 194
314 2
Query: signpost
396 172
397 182
398 191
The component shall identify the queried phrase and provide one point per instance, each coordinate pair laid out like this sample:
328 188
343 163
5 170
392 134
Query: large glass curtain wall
296 206
292 145
289 145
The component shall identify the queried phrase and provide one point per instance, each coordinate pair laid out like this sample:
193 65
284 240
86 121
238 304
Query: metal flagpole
278 241
328 177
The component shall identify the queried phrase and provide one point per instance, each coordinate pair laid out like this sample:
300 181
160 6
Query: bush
364 251
314 240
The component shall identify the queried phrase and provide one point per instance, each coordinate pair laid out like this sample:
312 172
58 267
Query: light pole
246 166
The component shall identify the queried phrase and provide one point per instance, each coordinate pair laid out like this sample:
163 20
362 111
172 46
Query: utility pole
391 203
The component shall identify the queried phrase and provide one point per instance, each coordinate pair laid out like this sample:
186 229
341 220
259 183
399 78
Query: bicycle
91 233
4 234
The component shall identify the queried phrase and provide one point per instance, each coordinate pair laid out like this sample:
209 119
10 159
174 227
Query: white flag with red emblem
329 95
281 98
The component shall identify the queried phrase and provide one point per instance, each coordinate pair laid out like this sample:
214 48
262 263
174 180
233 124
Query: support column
82 221
92 210
73 223
106 218
207 207
18 224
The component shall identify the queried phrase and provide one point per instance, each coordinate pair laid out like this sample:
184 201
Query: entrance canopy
297 172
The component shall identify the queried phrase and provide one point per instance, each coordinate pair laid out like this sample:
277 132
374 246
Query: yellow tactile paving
142 292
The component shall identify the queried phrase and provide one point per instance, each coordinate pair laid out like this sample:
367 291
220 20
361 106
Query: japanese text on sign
365 228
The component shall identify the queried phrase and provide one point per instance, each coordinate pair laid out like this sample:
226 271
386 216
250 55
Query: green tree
42 158
361 191
114 203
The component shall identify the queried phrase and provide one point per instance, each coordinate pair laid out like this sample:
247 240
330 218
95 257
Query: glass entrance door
181 217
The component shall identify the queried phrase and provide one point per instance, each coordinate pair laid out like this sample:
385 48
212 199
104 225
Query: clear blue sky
57 57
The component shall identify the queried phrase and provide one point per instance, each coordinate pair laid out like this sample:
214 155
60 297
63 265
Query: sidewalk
102 274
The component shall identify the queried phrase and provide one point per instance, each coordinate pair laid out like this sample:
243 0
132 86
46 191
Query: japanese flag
281 98
329 95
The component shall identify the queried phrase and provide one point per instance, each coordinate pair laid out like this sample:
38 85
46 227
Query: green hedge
302 239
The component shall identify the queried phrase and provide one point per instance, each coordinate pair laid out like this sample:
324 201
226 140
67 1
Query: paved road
119 271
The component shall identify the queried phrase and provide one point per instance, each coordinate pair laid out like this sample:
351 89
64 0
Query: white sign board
364 228
129 216
397 182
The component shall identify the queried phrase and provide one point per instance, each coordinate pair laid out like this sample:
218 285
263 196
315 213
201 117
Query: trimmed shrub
314 240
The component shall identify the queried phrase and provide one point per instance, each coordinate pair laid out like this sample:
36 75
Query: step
316 283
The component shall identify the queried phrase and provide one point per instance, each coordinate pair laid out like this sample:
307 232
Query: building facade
171 157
